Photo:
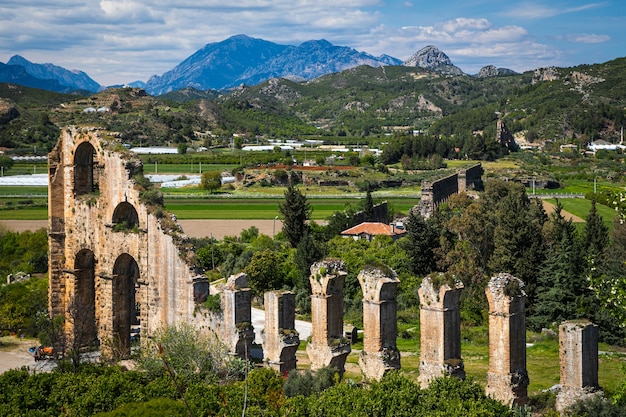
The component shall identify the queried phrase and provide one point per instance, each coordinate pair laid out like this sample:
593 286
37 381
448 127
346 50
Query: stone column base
430 371
321 356
569 395
285 359
510 389
376 365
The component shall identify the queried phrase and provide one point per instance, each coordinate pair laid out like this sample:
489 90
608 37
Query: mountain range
230 63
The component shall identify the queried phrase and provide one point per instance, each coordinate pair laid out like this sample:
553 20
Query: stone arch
125 312
125 213
84 303
85 178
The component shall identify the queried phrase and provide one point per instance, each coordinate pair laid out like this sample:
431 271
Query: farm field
265 208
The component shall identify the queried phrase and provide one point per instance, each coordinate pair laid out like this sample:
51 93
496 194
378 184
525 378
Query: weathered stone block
280 337
380 354
578 354
440 328
507 378
328 346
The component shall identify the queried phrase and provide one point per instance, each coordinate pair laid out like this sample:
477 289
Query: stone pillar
236 299
426 206
380 328
440 328
507 378
328 346
280 337
578 354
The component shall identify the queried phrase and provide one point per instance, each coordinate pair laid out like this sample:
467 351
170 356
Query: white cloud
587 38
117 41
540 11
463 23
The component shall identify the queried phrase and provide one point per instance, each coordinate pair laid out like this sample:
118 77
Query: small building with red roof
367 231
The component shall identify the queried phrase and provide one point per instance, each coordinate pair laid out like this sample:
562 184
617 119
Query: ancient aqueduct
143 275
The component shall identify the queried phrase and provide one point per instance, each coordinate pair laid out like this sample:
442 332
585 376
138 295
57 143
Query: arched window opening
85 176
125 310
125 217
82 308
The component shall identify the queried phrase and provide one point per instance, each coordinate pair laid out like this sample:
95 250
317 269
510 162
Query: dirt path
14 354
193 228
549 208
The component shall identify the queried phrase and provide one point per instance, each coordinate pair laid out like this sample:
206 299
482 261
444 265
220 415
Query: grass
263 208
37 213
581 206
22 190
542 359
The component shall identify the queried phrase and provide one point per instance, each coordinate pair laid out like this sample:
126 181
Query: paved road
258 321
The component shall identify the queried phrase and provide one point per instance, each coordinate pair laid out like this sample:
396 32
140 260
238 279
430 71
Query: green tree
6 162
559 288
307 252
295 211
419 243
182 148
517 238
265 271
596 234
211 181
21 303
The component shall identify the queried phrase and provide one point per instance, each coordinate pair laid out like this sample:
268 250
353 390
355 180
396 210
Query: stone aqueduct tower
118 278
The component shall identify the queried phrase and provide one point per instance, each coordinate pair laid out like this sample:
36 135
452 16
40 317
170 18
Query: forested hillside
566 105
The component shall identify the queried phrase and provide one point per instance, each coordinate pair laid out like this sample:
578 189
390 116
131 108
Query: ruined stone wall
137 276
471 178
379 214
436 192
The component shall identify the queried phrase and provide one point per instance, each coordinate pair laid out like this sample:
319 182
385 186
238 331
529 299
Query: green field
580 207
263 208
200 208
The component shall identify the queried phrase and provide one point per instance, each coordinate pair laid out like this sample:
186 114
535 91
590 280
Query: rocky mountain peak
430 57
492 71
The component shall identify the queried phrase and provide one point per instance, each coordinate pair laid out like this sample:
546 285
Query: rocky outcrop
493 71
8 111
545 74
431 58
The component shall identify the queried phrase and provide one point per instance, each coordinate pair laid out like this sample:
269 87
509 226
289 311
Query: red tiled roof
373 229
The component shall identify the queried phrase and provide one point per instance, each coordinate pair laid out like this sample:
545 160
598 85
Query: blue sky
119 41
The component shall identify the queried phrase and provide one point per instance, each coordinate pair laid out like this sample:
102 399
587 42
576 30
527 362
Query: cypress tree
596 235
295 211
